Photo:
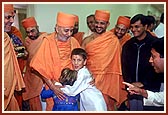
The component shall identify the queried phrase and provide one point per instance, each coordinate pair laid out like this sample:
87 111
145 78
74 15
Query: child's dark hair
79 51
68 76
158 45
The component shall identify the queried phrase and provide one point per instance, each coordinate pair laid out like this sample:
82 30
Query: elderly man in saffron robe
13 80
54 53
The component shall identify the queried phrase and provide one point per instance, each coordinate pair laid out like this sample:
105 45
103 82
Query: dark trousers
136 102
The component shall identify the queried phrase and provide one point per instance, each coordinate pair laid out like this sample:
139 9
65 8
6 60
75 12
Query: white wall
45 14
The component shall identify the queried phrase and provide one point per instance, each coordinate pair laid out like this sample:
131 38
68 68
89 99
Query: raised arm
55 88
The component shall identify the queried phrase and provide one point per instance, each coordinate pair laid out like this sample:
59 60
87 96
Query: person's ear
56 28
38 27
85 61
146 26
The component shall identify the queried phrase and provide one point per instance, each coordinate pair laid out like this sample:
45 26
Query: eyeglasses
121 29
8 17
31 31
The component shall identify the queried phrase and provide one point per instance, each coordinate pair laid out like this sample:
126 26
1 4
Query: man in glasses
33 83
13 80
121 29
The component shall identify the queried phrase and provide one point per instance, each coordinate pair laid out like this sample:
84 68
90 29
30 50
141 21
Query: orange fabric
16 32
104 54
13 105
102 15
56 56
21 62
79 37
33 82
12 78
8 8
65 20
19 98
35 104
124 39
29 22
152 33
123 20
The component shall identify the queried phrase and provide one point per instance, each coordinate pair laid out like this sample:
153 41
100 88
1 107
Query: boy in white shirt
91 99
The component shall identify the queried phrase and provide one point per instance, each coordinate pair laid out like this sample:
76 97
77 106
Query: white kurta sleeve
79 85
154 99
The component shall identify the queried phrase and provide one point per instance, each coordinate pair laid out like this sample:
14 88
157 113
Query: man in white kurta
91 99
154 99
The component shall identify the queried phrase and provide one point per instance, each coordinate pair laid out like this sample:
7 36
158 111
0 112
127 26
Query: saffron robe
152 33
79 37
17 33
124 39
52 57
12 76
33 82
104 62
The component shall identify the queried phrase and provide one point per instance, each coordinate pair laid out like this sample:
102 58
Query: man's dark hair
79 51
91 15
158 45
140 17
150 20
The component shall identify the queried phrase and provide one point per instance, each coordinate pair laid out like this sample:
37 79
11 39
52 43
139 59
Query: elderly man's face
8 21
64 33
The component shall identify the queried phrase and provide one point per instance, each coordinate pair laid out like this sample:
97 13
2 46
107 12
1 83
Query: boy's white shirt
58 83
88 93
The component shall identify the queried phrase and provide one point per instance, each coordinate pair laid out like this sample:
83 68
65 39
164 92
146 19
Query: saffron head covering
29 22
102 15
8 8
65 20
123 20
76 18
